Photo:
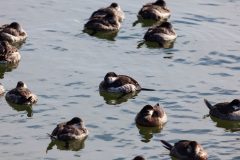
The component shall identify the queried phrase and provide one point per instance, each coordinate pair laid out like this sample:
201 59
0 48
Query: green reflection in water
19 108
232 126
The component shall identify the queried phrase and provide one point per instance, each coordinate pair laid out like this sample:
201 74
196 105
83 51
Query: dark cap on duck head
20 84
166 25
75 120
139 158
15 25
114 5
160 3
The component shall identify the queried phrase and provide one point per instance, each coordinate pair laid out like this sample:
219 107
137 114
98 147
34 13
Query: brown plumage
9 53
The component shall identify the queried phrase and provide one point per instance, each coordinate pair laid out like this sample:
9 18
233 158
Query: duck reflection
117 98
19 108
7 67
231 126
148 132
146 23
150 45
110 35
72 145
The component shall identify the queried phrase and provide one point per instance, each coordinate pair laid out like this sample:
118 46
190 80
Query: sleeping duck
161 33
106 19
225 110
2 90
13 33
151 116
70 130
120 84
21 95
186 150
8 53
139 158
154 11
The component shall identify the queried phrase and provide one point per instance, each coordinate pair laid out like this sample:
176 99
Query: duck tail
51 136
147 89
208 104
167 145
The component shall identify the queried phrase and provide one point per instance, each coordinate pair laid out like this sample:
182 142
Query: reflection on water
228 125
148 132
7 67
73 145
117 98
146 23
19 108
108 35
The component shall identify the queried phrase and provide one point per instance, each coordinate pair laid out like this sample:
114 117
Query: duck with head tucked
225 110
161 33
70 130
13 33
154 11
106 19
8 53
139 158
21 95
186 150
151 116
120 84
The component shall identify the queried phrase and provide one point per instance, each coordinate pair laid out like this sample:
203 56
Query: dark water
64 66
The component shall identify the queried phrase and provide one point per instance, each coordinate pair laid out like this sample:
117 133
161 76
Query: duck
70 130
114 8
120 84
155 11
21 95
2 90
139 158
225 110
8 53
186 150
13 33
151 116
108 22
161 33
106 19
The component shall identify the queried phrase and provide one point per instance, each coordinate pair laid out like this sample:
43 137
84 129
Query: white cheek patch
111 79
236 108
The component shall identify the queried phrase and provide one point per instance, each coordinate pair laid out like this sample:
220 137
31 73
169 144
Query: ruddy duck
8 53
71 130
151 116
225 110
21 95
106 19
161 33
120 84
13 33
186 150
139 158
2 90
155 11
114 8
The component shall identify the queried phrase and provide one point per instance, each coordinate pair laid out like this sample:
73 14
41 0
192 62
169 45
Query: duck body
161 33
154 11
13 33
8 53
21 95
151 116
106 19
119 84
225 110
186 150
71 130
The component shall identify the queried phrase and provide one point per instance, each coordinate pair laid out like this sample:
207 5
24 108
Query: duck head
115 6
20 84
75 120
161 3
110 77
235 105
147 110
166 25
194 149
16 26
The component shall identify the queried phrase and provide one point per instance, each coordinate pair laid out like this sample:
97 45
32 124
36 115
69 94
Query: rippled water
64 66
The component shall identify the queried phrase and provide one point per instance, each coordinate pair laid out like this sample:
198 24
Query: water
64 66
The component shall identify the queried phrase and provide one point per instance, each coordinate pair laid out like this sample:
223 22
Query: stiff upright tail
51 136
167 145
147 89
208 104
